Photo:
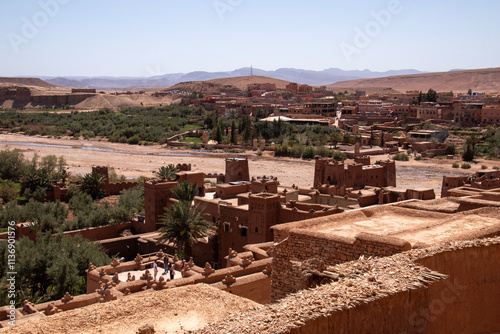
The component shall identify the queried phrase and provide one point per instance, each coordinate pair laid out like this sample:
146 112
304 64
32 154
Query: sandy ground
134 161
167 310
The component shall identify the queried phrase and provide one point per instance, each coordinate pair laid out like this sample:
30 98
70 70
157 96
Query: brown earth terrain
226 84
243 82
168 311
482 80
133 161
35 82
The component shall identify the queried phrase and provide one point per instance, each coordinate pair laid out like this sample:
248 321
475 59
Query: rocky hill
482 80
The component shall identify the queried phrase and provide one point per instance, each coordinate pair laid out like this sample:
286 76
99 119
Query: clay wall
92 233
230 232
301 211
450 182
225 191
339 201
425 194
373 176
83 90
466 302
267 185
156 195
256 287
263 212
294 246
354 176
237 170
116 188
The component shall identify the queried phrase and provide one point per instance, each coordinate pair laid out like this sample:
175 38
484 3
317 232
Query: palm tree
185 191
167 172
92 184
183 225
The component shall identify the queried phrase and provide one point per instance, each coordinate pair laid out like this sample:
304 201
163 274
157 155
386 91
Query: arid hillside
226 84
483 80
44 94
243 82
35 82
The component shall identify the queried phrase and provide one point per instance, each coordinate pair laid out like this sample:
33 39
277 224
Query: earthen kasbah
351 254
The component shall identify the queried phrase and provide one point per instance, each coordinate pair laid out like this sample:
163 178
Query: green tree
167 172
431 95
52 266
183 224
9 190
185 191
470 148
233 132
92 183
12 164
335 137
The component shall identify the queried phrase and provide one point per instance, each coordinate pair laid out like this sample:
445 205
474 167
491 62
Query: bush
134 140
308 152
465 166
468 155
195 146
450 149
322 151
496 167
401 157
418 157
455 165
339 156
484 167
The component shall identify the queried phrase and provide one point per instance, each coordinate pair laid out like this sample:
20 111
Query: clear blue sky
154 37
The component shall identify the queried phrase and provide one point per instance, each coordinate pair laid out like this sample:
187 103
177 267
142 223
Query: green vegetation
455 165
196 140
132 125
418 157
465 166
167 172
50 267
184 223
401 156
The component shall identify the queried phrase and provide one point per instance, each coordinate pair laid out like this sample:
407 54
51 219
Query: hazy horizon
52 38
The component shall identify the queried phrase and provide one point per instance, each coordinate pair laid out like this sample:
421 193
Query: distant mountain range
314 78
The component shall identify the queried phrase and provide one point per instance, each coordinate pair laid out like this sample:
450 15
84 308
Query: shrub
308 152
468 155
465 166
401 157
195 146
339 156
450 149
418 157
322 151
455 165
496 167
134 140
484 167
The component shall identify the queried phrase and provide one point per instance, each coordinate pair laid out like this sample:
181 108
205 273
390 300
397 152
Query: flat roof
414 226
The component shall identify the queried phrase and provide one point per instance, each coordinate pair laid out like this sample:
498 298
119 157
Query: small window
227 227
243 231
256 230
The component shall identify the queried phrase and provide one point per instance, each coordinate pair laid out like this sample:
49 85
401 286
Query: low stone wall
457 292
330 249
